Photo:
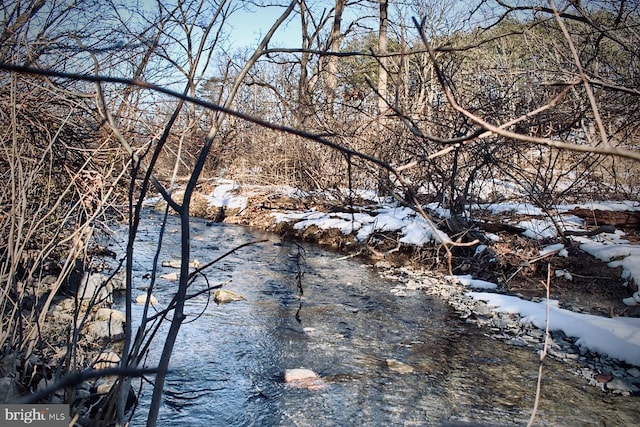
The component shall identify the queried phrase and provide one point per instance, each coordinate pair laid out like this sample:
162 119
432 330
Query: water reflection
228 365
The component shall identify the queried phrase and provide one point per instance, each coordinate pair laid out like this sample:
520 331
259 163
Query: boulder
108 314
222 296
94 284
110 330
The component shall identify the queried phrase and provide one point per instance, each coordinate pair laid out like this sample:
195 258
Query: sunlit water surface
228 364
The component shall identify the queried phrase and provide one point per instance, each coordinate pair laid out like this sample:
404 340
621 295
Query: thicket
101 101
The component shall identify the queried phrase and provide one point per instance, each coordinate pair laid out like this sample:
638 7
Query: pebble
620 386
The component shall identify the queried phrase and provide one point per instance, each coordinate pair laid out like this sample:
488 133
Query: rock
107 359
108 314
399 367
517 342
142 299
620 386
175 263
8 390
119 280
297 374
634 372
222 296
94 284
171 276
104 384
303 378
111 330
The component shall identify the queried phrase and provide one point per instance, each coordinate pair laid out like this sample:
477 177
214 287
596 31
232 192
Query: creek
228 363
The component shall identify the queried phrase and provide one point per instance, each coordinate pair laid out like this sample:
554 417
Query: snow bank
617 252
617 337
469 281
224 196
412 228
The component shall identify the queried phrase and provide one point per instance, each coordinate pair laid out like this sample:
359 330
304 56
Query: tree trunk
383 60
332 66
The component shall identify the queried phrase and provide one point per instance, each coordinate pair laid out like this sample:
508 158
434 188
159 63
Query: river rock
111 330
108 314
106 359
95 284
620 386
104 384
222 296
142 299
175 263
171 276
399 367
303 378
120 281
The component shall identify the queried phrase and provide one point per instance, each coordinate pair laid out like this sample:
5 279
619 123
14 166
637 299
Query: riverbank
511 257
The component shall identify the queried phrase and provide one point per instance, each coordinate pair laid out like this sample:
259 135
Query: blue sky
250 27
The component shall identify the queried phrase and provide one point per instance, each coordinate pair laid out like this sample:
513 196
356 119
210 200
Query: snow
469 281
223 196
551 248
623 205
617 337
538 229
412 229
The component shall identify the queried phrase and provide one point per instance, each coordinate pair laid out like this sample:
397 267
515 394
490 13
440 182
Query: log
598 217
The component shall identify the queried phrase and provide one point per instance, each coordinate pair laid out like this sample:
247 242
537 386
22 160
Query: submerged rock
303 378
399 367
222 296
142 299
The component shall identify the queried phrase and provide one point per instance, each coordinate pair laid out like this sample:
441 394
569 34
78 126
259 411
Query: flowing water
228 364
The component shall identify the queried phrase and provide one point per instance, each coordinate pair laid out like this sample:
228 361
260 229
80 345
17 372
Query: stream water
228 364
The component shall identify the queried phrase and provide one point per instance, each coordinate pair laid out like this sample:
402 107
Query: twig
543 353
583 76
563 145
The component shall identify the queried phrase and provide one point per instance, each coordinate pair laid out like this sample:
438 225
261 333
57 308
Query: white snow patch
551 249
412 229
538 229
469 281
617 337
223 196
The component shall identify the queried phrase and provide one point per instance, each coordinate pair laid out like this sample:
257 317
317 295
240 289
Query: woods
104 103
